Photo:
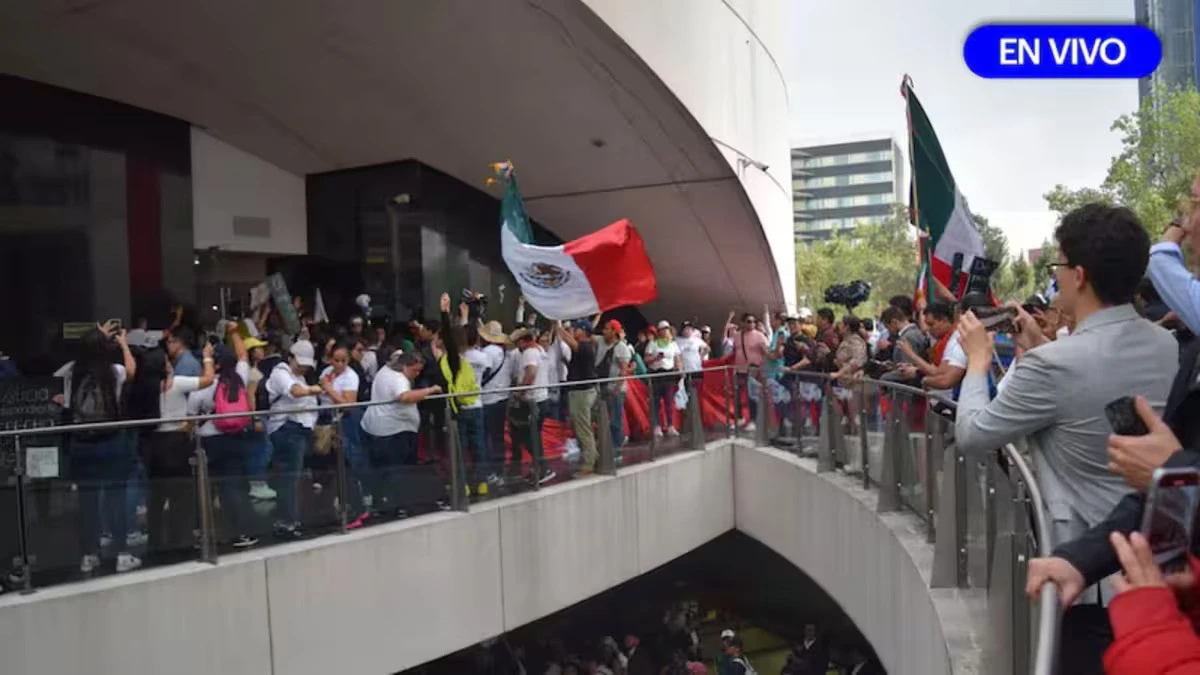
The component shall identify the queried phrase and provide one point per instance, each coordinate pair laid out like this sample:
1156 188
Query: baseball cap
303 351
614 325
805 313
664 324
727 634
253 342
583 325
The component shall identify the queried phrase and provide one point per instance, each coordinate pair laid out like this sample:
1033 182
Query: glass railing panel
873 423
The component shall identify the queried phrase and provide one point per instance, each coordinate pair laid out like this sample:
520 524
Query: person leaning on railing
1056 392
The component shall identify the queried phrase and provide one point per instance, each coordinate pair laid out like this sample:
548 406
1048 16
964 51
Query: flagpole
926 253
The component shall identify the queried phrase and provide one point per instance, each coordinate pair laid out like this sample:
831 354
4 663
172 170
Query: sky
1007 142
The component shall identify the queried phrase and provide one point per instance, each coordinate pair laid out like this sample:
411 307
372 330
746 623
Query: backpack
462 382
223 406
364 384
90 405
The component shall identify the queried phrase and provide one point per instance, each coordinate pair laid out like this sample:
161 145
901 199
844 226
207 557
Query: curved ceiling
316 85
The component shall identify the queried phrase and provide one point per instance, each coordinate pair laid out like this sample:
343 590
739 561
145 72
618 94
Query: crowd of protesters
1110 330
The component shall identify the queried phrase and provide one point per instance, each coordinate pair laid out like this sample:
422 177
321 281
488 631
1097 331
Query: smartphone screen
1169 516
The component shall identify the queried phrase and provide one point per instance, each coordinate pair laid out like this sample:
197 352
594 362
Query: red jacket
1153 634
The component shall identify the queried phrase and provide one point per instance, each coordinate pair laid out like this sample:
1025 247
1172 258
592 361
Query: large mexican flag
938 208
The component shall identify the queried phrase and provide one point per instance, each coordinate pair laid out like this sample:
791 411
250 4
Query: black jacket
1092 554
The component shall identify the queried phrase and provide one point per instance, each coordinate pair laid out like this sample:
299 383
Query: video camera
479 300
849 295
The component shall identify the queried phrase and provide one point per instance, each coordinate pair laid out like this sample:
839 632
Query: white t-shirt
480 361
556 359
389 420
502 362
173 403
622 355
67 373
203 401
955 356
299 409
690 351
347 381
535 356
669 352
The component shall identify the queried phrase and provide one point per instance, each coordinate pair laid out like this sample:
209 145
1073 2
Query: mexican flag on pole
599 271
939 209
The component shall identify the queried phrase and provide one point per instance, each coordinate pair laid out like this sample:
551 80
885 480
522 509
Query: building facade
1177 22
339 157
839 186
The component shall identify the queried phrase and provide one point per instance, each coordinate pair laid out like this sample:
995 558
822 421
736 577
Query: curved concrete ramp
876 565
391 597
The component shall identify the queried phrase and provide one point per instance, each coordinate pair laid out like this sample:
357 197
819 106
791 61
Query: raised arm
446 330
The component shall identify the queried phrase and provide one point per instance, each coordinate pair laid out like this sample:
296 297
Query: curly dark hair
1112 247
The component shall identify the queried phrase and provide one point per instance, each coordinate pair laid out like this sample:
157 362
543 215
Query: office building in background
1177 22
837 187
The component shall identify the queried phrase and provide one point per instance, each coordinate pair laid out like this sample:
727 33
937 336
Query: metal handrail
256 414
1048 616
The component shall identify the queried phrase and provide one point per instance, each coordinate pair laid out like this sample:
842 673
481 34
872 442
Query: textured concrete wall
394 596
877 566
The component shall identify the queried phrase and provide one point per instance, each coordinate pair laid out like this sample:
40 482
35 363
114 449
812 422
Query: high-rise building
839 186
1177 22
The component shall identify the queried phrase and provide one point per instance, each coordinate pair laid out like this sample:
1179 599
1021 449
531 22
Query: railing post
604 439
934 448
762 426
1020 604
826 431
535 447
893 445
799 410
652 389
949 549
864 441
204 499
962 513
458 474
23 558
694 413
737 402
837 428
728 384
339 456
990 470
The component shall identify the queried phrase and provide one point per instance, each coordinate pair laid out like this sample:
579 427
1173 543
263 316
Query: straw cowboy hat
493 332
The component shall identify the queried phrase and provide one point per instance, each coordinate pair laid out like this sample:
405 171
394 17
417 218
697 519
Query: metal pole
1019 603
825 432
652 388
889 477
864 441
727 384
604 439
23 558
933 454
737 402
208 535
459 500
695 414
762 434
339 456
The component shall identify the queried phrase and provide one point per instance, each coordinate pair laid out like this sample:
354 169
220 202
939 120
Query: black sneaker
244 541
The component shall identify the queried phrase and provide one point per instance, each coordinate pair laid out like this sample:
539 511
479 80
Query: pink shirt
750 348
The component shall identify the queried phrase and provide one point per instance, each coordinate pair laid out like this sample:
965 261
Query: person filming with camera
1056 393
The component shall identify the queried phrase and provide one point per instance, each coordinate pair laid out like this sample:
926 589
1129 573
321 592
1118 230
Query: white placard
41 462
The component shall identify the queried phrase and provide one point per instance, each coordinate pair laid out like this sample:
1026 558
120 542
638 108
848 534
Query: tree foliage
884 255
995 244
1153 173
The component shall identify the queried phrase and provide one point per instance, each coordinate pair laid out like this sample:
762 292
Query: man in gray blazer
1056 393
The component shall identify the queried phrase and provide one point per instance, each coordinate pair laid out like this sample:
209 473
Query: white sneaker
749 426
672 432
657 432
127 562
136 539
261 491
89 563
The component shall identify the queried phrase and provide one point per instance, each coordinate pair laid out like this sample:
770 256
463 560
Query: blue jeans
259 455
290 443
101 468
470 439
226 463
395 458
356 457
616 418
